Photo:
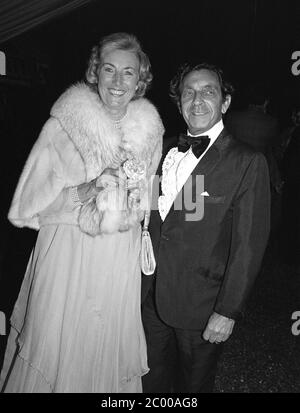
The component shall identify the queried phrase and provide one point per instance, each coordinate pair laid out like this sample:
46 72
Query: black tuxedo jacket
210 264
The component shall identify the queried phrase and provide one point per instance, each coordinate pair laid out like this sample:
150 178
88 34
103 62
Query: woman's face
118 79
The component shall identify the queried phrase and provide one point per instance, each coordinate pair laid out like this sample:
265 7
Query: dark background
251 40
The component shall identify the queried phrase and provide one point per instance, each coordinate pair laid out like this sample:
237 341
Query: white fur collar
81 114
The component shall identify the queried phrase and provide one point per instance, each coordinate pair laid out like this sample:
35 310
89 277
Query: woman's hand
87 190
111 178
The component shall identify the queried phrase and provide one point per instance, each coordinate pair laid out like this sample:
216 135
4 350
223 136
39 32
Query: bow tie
198 144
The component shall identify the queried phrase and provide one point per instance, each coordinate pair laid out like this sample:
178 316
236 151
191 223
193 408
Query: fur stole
100 145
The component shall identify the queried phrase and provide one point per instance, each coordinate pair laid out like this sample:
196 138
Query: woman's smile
117 92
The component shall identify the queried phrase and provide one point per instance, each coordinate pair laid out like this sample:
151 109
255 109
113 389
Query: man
207 258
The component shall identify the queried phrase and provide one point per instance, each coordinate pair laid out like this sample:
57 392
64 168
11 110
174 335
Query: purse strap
146 220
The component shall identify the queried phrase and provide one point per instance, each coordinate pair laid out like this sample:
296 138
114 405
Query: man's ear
226 104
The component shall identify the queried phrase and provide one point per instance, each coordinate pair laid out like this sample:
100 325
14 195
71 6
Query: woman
76 326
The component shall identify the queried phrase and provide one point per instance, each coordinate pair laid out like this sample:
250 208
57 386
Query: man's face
201 101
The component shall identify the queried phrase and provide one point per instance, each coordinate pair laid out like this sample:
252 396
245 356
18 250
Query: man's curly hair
185 69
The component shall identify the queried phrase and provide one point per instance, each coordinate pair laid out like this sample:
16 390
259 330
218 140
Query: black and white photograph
150 199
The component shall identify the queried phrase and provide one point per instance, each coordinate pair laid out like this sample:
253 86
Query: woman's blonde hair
121 41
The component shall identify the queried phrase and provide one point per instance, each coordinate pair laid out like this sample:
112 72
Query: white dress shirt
177 167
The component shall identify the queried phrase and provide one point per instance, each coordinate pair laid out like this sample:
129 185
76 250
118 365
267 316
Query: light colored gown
78 315
76 325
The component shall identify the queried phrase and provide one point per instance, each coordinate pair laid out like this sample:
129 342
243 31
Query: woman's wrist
86 191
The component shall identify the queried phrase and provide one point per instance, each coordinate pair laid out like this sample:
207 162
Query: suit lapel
208 162
204 167
168 144
212 156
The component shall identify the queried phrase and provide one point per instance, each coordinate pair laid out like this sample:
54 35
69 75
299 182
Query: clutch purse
148 263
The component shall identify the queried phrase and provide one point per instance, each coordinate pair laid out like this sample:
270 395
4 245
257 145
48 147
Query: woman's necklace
118 123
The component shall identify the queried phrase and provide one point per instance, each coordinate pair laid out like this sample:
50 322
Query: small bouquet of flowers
119 206
135 171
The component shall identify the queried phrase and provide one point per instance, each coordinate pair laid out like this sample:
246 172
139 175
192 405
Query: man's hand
218 328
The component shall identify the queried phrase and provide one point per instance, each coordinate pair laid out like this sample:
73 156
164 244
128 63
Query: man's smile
199 113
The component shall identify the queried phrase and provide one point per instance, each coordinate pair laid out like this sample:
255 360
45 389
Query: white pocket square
204 193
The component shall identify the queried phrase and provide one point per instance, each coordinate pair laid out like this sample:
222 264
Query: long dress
76 325
83 330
